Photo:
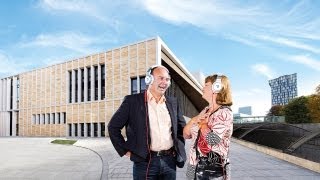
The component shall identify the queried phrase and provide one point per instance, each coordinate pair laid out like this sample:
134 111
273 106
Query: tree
318 90
276 110
296 111
314 108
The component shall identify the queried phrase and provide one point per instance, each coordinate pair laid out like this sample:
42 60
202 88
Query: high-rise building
283 89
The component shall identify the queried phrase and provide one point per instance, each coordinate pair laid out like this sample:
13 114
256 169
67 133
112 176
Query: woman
211 132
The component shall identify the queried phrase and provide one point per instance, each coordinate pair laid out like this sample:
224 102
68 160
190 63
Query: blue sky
249 41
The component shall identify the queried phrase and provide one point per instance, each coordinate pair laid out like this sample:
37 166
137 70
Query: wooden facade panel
81 62
95 59
94 112
52 86
101 58
109 110
58 85
142 58
63 84
69 114
87 113
133 52
33 90
109 76
125 80
42 87
116 74
81 113
87 61
62 130
102 112
75 113
151 53
69 65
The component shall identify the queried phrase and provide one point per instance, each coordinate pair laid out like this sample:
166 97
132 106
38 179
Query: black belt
169 152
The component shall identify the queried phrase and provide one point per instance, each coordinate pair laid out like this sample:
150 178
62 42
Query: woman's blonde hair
224 96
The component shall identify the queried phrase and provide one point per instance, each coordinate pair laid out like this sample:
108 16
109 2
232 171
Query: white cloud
264 70
290 43
10 67
205 14
70 40
80 6
305 60
290 25
246 41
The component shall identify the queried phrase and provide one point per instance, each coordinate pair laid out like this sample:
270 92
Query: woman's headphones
217 85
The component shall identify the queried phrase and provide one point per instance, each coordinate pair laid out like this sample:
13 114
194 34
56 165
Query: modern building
245 110
77 98
283 89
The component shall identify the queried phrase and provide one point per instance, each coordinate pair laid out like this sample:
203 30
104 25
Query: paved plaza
95 158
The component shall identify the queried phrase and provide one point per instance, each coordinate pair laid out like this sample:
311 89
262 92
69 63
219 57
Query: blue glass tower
283 89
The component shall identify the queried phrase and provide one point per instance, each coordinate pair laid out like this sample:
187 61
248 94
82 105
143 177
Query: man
154 128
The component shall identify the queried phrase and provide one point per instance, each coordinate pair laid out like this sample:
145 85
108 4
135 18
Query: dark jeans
160 167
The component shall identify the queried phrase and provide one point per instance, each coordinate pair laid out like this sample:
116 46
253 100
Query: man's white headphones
217 85
149 77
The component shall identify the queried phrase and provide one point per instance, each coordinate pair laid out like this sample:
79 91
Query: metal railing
258 119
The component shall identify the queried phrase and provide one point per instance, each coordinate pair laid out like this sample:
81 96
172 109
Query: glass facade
283 89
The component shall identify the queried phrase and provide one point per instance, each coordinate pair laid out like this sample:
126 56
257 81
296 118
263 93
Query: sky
251 42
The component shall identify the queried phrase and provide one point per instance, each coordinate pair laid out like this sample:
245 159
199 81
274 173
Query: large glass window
70 86
103 81
134 88
96 79
89 83
18 89
134 85
76 85
82 84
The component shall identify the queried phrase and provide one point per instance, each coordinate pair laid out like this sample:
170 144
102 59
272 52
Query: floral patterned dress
216 138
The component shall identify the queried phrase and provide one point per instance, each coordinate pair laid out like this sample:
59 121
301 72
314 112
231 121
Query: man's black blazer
132 115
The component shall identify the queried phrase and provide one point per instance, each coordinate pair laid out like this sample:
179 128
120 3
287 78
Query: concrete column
14 123
68 90
7 124
85 130
79 85
41 119
73 130
62 118
1 124
8 93
73 86
92 130
1 97
4 95
14 93
79 130
56 118
51 118
99 82
46 119
99 129
92 83
85 84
